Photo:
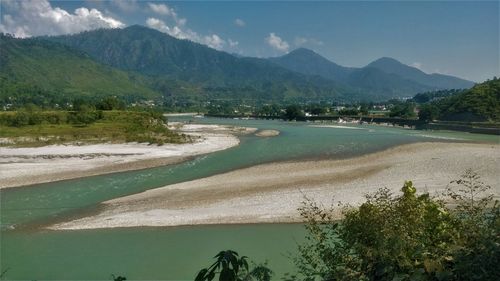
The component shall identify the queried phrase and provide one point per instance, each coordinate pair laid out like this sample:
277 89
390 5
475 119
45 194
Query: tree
318 110
405 237
82 105
292 112
363 109
403 110
111 103
428 113
231 267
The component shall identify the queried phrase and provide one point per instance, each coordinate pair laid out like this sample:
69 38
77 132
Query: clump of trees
293 112
82 115
478 104
435 95
405 237
403 110
428 113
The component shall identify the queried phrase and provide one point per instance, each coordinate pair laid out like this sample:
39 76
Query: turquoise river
29 252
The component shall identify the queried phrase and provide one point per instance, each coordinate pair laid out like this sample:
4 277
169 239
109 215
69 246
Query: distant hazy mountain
384 76
371 79
219 74
39 67
438 81
310 63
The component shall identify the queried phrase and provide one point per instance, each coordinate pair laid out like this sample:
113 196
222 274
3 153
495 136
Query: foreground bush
230 267
405 237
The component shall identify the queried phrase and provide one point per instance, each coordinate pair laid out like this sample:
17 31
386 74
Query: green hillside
34 69
435 80
384 78
481 103
217 74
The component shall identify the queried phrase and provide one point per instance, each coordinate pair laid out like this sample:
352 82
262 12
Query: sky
458 38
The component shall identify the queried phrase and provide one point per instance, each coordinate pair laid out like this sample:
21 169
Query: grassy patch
113 126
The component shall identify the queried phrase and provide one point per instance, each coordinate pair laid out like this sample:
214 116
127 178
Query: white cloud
11 3
417 65
212 40
233 44
239 22
158 25
126 5
175 26
174 31
277 43
38 17
439 71
164 10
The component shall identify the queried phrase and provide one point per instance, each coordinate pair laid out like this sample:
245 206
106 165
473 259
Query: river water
174 253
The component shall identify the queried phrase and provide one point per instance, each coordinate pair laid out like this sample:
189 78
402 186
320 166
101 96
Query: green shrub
405 237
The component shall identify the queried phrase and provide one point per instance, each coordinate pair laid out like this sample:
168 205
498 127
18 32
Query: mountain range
148 63
385 75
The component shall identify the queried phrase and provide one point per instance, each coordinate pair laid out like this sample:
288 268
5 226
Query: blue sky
451 37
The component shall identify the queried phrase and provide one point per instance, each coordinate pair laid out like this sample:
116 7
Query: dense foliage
46 73
405 237
481 103
403 110
207 72
138 63
31 126
434 95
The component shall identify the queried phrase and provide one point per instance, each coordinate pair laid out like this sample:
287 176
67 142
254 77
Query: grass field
112 126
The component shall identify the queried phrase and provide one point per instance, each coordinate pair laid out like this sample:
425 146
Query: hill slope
154 64
480 103
371 79
310 63
220 74
437 81
37 67
386 76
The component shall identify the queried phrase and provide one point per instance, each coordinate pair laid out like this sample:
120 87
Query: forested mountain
436 81
219 74
385 76
373 80
38 69
141 62
308 62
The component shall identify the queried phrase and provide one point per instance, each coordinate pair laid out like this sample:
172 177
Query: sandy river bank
26 166
272 192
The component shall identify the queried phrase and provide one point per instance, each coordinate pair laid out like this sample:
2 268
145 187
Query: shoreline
21 167
271 193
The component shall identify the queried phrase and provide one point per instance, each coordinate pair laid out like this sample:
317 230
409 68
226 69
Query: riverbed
175 253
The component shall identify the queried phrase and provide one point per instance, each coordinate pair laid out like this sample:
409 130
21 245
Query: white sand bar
24 166
272 192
